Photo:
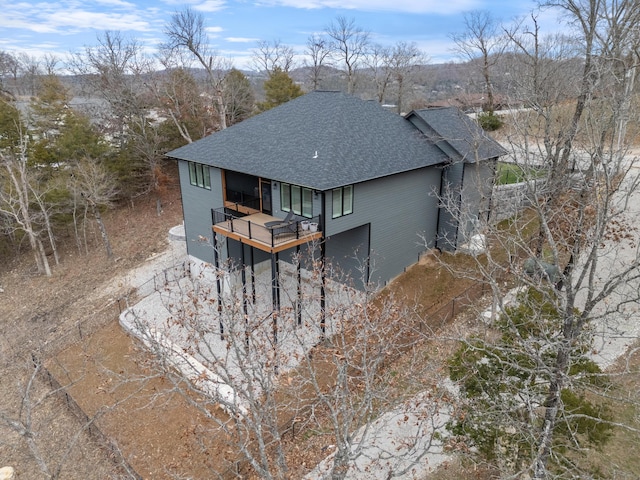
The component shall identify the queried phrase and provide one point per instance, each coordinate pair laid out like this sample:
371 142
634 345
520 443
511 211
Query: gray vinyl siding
197 204
478 185
399 208
452 184
476 196
347 255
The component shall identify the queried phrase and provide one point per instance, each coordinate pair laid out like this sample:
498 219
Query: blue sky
234 26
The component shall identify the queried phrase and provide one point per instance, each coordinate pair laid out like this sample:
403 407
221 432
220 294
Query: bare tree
394 69
318 53
601 27
50 63
9 66
349 45
17 184
542 69
187 31
239 96
378 60
114 67
269 56
403 60
482 41
121 73
30 421
93 188
178 97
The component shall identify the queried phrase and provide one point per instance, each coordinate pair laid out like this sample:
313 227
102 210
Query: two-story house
342 173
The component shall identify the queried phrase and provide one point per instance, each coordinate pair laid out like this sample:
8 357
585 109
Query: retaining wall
507 200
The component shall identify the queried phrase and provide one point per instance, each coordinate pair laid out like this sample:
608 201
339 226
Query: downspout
439 210
181 202
459 206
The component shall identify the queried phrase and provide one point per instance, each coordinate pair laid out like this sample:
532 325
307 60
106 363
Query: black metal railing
272 235
245 207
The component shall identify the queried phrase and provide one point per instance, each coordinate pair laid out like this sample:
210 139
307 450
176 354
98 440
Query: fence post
453 309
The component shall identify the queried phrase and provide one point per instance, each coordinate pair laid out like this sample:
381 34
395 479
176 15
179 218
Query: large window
199 175
296 199
342 201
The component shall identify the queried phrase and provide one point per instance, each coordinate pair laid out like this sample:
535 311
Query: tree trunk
222 110
39 253
489 104
550 416
400 80
103 231
52 240
23 215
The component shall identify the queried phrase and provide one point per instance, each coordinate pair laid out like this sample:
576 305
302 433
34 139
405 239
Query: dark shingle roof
460 132
352 141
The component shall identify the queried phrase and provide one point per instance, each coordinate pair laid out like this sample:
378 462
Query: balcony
242 203
253 229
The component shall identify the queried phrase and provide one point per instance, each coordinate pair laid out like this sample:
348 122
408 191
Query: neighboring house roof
321 140
450 127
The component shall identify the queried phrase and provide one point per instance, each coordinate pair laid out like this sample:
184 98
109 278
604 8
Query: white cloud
241 40
406 6
105 21
69 17
209 5
115 3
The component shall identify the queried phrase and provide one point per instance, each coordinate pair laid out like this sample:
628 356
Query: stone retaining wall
507 200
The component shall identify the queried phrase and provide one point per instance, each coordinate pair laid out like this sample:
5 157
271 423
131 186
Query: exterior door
265 187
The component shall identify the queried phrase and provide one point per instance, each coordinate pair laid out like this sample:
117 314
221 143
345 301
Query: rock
7 473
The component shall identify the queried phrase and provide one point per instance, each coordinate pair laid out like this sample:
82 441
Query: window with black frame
199 175
342 201
296 199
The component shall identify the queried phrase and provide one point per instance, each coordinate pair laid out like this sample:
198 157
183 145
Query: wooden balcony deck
251 230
